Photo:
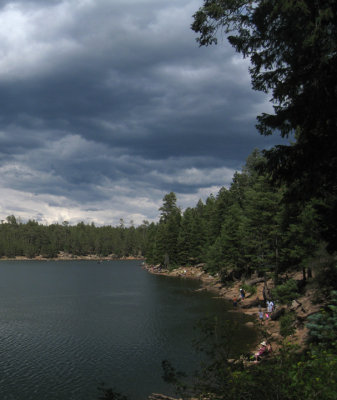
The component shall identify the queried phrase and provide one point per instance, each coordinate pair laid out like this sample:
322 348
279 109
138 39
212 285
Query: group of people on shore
265 348
264 316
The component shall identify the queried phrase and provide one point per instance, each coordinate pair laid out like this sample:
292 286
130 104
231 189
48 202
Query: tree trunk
303 273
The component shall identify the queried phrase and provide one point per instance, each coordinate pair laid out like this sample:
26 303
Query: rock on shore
302 307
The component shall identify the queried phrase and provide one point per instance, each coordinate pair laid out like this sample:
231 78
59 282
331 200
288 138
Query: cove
67 326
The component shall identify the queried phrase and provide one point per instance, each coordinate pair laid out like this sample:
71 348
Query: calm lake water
67 326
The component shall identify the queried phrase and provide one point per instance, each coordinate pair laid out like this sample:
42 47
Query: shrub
286 292
327 275
249 289
287 326
323 325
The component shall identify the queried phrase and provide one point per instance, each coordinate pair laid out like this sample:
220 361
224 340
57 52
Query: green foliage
245 228
32 239
287 326
263 228
286 292
293 55
166 240
289 375
315 376
231 238
191 237
325 270
214 258
169 207
323 325
302 235
249 288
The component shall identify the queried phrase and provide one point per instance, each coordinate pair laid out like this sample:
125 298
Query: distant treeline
33 239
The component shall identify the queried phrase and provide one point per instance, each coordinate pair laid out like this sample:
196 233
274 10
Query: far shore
72 257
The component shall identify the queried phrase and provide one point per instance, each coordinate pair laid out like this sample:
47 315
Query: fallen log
253 282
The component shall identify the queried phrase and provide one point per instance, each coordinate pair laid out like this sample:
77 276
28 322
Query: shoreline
269 328
71 257
212 284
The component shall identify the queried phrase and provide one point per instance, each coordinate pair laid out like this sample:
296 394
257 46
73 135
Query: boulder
277 314
295 305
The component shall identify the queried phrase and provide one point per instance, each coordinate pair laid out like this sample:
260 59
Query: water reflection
67 326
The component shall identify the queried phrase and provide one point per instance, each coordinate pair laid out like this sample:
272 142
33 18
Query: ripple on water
64 328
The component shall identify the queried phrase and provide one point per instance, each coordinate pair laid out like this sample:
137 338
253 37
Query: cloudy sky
107 105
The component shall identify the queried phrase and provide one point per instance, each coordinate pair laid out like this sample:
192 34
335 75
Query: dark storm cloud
104 103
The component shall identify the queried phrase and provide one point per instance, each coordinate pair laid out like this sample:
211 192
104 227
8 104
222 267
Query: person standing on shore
235 301
243 294
269 306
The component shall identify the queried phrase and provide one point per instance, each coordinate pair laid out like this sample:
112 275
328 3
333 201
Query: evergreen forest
32 239
247 228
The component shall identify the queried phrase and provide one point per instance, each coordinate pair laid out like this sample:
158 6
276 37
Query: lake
67 326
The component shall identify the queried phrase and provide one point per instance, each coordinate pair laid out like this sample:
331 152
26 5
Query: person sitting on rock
263 350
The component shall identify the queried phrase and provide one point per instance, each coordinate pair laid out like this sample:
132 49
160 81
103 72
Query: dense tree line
246 228
33 239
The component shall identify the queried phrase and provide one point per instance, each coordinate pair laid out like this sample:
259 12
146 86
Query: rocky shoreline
270 328
302 307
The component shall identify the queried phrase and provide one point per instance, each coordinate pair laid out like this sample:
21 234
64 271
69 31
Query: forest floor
309 303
